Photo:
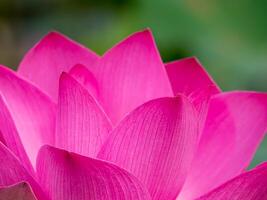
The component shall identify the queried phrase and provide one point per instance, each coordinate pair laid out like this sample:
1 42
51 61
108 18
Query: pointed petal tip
64 79
145 36
52 38
53 34
63 76
186 59
77 66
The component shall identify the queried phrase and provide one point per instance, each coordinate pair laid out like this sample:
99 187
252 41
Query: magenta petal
12 171
87 79
130 74
55 53
251 185
156 143
10 136
69 176
32 111
19 191
187 76
235 126
82 126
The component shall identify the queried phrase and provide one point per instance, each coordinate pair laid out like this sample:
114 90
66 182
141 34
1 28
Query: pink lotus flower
76 126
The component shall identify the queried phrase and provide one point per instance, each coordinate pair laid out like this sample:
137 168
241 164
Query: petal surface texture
55 53
10 136
130 74
69 176
32 111
188 77
156 143
235 126
251 185
82 126
12 172
86 78
20 191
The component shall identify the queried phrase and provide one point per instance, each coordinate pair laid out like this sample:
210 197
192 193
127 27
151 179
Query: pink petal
130 74
10 136
55 53
87 79
156 143
12 171
187 76
251 185
69 176
19 191
235 126
82 126
33 112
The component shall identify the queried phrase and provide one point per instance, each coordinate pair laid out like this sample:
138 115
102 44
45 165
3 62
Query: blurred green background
229 37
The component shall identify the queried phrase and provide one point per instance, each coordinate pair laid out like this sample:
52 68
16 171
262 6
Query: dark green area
229 37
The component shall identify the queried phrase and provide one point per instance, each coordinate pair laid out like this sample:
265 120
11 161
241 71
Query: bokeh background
229 37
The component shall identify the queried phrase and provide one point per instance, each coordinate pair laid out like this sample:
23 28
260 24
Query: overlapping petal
87 79
82 126
19 191
251 185
32 111
156 143
235 126
55 53
69 176
12 172
10 136
187 76
130 74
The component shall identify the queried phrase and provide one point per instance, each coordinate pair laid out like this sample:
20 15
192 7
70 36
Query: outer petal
130 74
55 53
251 185
10 136
20 191
156 142
82 126
69 176
12 171
187 76
235 126
32 111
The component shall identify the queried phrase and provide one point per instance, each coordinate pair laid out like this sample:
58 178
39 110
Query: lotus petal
235 126
130 74
82 126
69 176
251 185
87 79
188 77
156 142
12 172
55 53
10 136
32 111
